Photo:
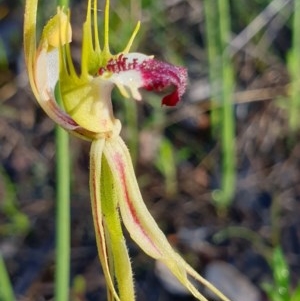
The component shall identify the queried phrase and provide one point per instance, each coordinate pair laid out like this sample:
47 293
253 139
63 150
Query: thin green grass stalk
294 67
222 86
259 244
213 49
18 221
228 123
18 224
62 273
166 164
6 290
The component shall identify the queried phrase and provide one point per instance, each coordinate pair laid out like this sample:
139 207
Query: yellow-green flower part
80 102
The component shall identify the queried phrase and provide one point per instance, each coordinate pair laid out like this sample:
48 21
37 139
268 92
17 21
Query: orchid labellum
86 111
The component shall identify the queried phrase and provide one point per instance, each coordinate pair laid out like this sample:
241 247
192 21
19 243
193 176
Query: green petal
120 266
91 52
101 235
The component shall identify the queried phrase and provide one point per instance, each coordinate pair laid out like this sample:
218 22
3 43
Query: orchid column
87 112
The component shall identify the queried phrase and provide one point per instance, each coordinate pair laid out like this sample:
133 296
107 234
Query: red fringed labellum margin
136 70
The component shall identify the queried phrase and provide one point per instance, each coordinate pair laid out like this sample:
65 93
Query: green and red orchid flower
86 111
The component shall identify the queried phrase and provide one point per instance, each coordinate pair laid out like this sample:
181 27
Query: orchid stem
62 273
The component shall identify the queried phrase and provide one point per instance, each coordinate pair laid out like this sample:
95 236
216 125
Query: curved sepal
141 225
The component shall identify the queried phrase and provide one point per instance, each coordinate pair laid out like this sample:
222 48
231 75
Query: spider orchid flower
81 104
